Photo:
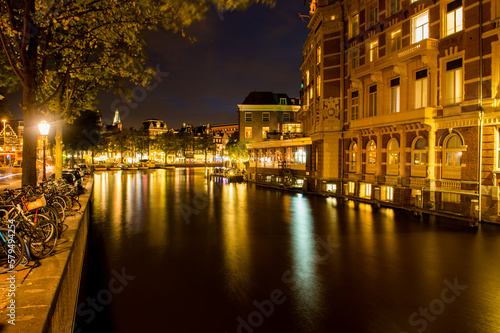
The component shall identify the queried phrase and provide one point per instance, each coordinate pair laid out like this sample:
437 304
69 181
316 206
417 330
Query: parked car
85 169
68 177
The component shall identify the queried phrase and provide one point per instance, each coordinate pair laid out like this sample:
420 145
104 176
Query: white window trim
413 27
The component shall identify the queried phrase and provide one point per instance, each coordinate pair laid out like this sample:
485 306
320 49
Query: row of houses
400 106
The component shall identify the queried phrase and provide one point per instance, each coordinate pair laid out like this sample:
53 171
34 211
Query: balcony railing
418 115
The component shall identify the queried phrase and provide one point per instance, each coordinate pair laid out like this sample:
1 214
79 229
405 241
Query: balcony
412 51
422 115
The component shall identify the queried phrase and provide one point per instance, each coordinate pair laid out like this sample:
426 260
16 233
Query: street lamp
44 128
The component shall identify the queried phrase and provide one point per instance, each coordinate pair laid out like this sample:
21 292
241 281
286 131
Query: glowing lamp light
44 128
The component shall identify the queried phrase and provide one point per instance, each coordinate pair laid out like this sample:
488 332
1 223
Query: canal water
171 251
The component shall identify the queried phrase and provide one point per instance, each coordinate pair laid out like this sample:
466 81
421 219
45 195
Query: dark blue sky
235 53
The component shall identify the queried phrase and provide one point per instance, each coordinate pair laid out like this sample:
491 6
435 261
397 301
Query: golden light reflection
235 238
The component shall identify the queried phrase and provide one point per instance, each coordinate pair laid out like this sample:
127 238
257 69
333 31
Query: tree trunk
28 105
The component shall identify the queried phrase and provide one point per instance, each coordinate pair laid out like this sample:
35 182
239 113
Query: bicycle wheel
12 250
43 238
60 212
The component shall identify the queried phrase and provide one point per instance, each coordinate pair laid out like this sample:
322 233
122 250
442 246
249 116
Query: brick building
401 99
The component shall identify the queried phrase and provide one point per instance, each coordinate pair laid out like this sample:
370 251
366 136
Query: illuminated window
373 10
393 152
421 89
419 152
396 40
318 86
248 132
454 17
371 153
453 82
265 116
331 187
248 116
365 190
351 187
354 25
311 93
307 78
300 156
353 157
453 151
355 58
420 27
395 6
374 51
372 101
354 105
395 96
387 193
265 130
318 54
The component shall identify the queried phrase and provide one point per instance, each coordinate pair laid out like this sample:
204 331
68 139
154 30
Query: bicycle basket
37 203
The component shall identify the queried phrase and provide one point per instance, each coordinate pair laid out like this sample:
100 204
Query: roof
266 98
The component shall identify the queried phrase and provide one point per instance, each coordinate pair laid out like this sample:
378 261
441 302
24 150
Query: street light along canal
172 251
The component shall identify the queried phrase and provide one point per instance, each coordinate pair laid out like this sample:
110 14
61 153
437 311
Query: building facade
264 113
401 99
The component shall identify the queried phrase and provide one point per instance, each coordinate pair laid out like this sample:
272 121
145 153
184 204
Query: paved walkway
21 274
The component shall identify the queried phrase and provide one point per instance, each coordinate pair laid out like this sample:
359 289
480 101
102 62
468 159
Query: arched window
371 156
452 157
353 157
419 152
393 157
453 151
393 151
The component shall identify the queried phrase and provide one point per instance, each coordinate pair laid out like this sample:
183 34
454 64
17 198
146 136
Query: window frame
287 116
248 130
425 27
353 156
454 11
420 90
373 52
355 106
395 95
265 130
372 101
455 88
354 25
248 117
394 9
266 115
372 18
355 58
371 156
454 155
399 40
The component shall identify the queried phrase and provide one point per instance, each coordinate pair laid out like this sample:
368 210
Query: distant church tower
117 121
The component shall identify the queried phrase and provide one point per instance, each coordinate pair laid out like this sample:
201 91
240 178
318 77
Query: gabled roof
265 98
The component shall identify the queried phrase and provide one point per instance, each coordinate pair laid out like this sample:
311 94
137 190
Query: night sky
258 49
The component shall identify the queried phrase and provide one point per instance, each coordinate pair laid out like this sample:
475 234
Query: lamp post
44 128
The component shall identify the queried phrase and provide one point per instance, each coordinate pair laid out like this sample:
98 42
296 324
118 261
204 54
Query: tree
84 133
45 40
205 143
238 152
167 143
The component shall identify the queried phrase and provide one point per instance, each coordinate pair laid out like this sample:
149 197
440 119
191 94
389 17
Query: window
373 18
283 101
353 157
420 27
365 190
395 96
355 58
450 197
454 17
421 89
300 156
371 153
286 117
374 51
352 187
265 130
395 6
453 151
387 193
453 84
393 152
265 116
318 54
354 25
419 152
318 86
248 117
248 132
311 93
396 40
354 105
331 187
307 78
372 101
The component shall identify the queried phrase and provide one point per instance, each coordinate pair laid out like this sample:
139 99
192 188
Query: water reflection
205 251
